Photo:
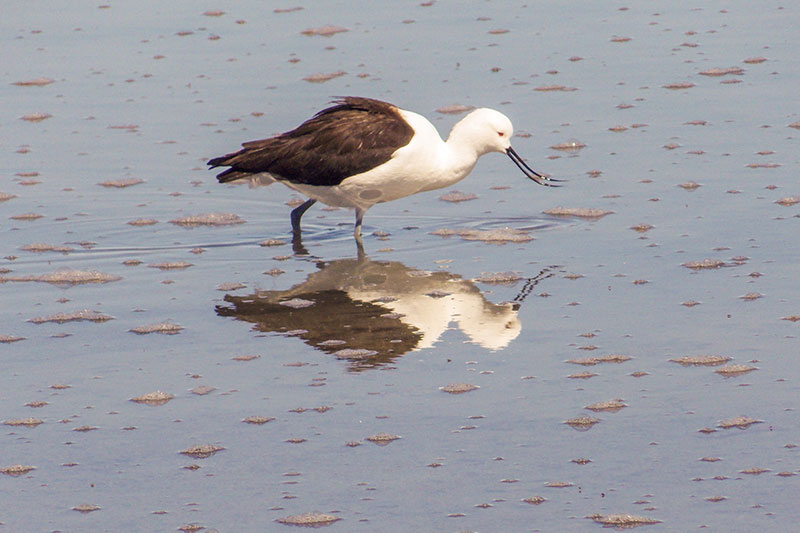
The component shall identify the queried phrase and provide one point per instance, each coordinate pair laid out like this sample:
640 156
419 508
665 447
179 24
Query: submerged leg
297 244
359 218
357 232
297 213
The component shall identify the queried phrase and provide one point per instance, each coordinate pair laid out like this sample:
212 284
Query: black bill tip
547 181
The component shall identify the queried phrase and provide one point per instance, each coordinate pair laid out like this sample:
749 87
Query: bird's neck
461 152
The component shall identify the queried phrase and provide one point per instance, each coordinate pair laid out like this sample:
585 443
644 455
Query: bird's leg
359 218
357 232
297 213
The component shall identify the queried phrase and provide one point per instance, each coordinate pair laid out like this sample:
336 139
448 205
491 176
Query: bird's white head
485 130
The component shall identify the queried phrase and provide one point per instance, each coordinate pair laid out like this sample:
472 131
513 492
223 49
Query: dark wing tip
217 162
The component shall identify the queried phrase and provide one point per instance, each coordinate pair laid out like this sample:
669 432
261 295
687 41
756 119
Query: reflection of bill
370 312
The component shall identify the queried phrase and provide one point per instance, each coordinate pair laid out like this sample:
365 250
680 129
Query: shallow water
149 92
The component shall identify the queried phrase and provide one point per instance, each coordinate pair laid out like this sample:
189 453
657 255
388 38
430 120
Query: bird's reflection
371 312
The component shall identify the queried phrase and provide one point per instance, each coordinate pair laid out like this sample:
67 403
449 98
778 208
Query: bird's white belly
363 190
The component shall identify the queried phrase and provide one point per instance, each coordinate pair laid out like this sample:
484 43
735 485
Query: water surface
149 92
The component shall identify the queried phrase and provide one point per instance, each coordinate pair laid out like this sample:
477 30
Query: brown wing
348 138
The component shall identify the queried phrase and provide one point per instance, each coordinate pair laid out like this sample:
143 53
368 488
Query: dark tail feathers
229 174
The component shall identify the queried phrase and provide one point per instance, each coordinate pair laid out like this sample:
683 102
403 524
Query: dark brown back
352 136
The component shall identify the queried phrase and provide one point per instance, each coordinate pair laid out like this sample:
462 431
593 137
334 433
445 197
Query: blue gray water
146 92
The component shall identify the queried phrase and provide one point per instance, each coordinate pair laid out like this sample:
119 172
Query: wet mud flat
619 352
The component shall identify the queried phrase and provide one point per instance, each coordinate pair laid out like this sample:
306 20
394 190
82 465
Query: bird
361 151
